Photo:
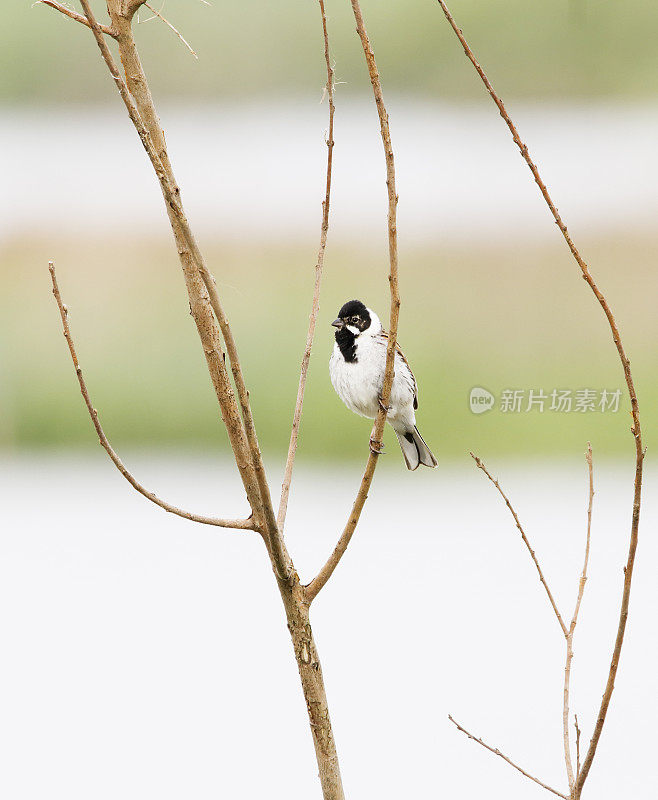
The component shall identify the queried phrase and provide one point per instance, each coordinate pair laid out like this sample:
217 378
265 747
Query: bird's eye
355 320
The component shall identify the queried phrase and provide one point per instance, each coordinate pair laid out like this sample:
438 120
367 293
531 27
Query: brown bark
310 673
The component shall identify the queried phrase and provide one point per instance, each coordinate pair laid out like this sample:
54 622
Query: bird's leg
376 447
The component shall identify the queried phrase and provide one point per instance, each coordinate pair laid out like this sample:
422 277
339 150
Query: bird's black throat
346 342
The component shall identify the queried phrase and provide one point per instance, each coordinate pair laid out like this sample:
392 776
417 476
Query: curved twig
635 410
315 305
316 585
241 524
75 16
497 752
481 466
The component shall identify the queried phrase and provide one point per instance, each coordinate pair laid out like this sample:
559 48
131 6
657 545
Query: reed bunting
357 368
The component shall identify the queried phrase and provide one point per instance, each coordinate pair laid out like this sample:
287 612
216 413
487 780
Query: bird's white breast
359 383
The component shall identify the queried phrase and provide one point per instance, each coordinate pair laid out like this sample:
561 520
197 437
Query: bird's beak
338 323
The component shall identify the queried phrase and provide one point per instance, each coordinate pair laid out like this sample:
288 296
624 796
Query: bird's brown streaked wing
398 350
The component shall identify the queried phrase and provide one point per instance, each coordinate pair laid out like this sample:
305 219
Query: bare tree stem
242 524
316 585
315 305
497 752
310 673
635 410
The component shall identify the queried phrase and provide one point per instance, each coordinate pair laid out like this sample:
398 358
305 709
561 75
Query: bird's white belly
359 383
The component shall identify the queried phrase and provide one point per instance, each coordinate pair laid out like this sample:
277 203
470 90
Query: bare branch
241 434
572 628
497 752
75 16
481 466
376 437
315 305
635 409
175 30
241 524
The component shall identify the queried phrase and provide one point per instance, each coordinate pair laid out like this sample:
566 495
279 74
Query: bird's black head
353 315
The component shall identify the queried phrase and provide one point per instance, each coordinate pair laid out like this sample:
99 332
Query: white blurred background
148 657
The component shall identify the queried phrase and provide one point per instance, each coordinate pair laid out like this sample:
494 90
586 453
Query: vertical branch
327 570
570 634
315 305
635 410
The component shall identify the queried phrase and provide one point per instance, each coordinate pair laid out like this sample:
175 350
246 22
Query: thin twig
481 466
572 627
577 745
315 305
583 577
241 524
75 16
314 587
635 409
497 752
175 30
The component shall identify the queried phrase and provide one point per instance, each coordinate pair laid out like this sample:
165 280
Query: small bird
356 369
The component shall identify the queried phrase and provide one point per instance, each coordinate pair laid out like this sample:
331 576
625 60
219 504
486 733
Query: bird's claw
376 448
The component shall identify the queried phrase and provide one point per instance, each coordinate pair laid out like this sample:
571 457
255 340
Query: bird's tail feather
414 449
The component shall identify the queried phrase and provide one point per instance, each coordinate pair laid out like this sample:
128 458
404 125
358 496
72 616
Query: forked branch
76 17
635 410
242 524
315 304
497 752
316 585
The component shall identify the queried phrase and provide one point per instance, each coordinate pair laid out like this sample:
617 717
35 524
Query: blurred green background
497 314
564 49
477 317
